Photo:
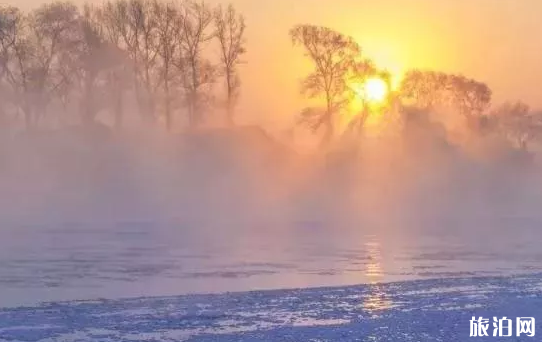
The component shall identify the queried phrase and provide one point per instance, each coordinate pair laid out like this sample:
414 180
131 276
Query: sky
494 41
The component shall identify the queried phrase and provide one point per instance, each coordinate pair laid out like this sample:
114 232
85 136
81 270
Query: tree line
59 59
62 58
338 65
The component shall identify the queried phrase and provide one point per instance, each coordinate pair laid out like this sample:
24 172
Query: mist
86 210
174 170
80 173
118 168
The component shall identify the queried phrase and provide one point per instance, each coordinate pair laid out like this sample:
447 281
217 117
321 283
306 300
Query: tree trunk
229 109
329 130
88 104
194 97
190 111
230 113
139 100
169 118
328 124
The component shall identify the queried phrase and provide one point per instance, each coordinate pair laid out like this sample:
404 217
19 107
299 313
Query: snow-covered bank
430 310
117 218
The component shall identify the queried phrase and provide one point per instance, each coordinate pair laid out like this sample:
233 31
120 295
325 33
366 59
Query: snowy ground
428 310
420 285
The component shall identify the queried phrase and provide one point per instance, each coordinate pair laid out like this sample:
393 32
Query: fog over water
157 156
89 213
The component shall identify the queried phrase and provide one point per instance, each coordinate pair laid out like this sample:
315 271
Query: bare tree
59 55
11 21
117 81
430 89
230 32
144 24
96 67
426 89
170 21
471 98
333 56
132 26
197 73
361 72
54 28
87 64
34 46
119 30
118 75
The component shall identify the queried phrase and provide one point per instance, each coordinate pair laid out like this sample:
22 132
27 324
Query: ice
106 256
118 260
423 310
167 281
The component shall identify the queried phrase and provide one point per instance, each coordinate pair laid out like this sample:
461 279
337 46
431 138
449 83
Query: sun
371 94
375 90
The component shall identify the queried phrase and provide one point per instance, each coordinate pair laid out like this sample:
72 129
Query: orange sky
495 41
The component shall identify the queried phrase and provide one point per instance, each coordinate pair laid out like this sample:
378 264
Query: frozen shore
425 310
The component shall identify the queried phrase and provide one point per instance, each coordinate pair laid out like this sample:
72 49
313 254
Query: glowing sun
375 90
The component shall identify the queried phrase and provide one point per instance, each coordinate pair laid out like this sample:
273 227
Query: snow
162 282
423 310
398 263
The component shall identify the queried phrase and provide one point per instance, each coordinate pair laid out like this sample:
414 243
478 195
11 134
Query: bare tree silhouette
333 56
431 89
33 45
170 22
11 26
230 32
424 88
198 74
155 51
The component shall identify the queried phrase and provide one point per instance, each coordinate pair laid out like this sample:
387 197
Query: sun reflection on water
377 299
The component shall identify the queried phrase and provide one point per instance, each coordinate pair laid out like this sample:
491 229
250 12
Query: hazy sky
495 41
